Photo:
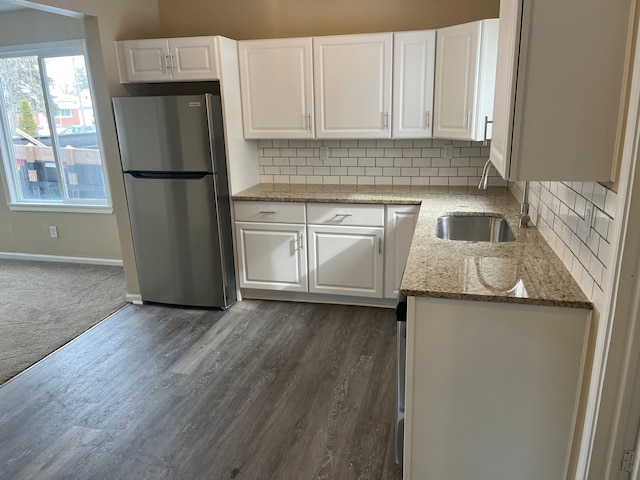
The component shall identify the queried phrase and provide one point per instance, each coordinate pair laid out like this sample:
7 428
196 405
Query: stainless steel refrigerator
173 159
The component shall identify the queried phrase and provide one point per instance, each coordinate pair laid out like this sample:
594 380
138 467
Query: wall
80 235
374 162
560 211
244 19
104 22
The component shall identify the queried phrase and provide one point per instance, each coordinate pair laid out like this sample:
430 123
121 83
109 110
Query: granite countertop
524 271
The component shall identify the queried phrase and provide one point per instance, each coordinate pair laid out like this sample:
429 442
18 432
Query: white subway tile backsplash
559 210
402 162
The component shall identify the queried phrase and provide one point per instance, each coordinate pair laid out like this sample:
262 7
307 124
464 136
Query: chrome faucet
484 179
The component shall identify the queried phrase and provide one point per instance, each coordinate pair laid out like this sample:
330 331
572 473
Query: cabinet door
413 79
272 256
352 85
456 68
399 227
346 260
277 88
508 48
144 61
193 58
465 80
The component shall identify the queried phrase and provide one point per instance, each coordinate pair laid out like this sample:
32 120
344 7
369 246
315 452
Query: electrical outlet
447 151
53 230
324 153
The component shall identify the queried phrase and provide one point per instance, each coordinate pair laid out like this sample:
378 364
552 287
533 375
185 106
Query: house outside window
49 143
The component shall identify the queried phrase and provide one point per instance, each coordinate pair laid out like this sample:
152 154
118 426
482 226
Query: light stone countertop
524 271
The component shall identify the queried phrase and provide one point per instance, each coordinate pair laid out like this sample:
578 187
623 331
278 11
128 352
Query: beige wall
244 19
84 235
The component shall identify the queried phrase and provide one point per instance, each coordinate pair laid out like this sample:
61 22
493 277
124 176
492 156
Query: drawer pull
267 212
342 215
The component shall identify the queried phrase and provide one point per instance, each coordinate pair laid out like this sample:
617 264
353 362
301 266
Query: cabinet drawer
271 212
345 214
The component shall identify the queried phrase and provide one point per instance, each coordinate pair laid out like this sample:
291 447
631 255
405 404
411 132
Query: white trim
59 258
62 208
134 298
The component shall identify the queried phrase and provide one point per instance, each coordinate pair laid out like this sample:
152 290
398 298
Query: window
48 139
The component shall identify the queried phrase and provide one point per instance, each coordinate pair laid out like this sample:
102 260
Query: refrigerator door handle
162 175
216 190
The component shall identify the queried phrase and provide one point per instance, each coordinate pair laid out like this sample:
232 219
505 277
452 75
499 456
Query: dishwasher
401 321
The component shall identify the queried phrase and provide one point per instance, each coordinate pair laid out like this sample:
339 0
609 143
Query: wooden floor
266 390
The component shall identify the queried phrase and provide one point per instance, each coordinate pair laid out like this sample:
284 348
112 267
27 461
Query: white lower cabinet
323 248
346 260
491 389
270 245
272 256
399 225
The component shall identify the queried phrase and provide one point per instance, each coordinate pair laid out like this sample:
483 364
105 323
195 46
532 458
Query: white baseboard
134 298
58 258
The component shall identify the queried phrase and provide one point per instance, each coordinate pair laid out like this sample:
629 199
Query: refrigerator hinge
628 459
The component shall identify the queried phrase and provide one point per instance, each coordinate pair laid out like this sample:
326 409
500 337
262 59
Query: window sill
23 207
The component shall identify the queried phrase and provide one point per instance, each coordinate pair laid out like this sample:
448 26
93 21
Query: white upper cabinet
276 78
559 89
465 80
352 84
167 59
413 78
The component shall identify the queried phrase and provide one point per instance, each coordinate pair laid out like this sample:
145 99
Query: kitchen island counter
524 271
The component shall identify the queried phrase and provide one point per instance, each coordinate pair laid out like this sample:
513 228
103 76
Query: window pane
72 109
34 164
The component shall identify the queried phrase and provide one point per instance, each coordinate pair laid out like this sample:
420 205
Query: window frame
8 172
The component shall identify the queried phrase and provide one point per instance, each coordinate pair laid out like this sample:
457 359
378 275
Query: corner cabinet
400 223
558 115
276 79
413 80
167 59
352 83
465 80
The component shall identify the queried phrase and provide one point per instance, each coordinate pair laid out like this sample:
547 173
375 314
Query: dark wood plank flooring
266 390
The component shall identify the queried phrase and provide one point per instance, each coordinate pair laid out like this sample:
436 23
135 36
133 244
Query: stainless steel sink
474 228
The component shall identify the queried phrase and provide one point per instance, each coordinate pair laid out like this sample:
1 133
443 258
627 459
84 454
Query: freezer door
163 134
176 240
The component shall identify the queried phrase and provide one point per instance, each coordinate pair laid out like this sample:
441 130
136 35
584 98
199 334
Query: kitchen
551 193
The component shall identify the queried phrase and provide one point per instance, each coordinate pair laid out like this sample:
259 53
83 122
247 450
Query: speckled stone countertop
524 271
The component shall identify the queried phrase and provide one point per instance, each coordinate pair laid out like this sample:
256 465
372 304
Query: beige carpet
44 305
